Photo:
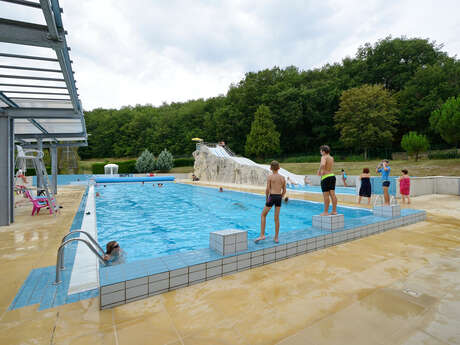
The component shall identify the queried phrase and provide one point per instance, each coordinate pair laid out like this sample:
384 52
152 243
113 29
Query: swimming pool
151 221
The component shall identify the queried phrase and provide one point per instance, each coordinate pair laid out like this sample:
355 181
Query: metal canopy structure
39 102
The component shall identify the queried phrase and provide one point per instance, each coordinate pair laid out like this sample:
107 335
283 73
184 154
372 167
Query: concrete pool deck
396 287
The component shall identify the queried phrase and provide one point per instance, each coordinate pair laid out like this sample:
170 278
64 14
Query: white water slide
220 151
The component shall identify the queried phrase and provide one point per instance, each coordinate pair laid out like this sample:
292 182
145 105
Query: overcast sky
147 51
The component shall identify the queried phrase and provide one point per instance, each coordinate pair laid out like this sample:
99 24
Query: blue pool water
317 189
376 185
150 221
67 179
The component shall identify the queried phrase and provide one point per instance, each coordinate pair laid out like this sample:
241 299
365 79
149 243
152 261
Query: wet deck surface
397 287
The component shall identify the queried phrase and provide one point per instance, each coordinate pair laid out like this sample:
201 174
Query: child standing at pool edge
384 169
275 192
404 186
327 180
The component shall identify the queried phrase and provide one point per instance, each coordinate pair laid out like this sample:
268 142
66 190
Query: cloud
143 51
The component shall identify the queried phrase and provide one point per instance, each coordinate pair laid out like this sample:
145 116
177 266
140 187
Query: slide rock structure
216 164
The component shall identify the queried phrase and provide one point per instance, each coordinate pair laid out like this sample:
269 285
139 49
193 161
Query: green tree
263 139
428 89
165 161
366 117
146 162
393 61
414 144
446 121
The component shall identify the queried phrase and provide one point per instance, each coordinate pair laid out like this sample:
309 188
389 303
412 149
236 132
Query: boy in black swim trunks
327 180
275 192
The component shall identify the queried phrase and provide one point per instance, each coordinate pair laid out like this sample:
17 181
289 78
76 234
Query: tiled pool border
39 288
137 280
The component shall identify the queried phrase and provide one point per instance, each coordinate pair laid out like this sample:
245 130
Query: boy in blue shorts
384 169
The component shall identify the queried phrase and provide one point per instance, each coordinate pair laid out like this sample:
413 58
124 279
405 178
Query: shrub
98 168
146 162
31 171
444 155
126 167
184 162
165 161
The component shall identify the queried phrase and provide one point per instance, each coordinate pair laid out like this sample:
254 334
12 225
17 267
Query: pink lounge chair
38 202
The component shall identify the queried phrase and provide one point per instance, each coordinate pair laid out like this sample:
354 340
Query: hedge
31 171
184 162
444 155
129 167
124 167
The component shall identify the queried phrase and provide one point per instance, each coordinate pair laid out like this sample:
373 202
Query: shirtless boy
274 193
327 180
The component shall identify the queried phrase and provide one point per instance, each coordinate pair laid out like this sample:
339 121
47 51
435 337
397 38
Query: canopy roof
37 85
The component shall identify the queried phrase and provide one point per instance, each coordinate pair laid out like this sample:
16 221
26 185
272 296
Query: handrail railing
87 234
230 152
379 197
60 256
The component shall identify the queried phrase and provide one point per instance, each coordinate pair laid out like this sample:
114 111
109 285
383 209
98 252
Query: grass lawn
445 167
426 167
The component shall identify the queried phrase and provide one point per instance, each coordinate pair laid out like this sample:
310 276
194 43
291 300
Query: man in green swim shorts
327 180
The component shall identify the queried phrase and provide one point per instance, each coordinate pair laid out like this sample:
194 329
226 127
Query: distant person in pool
307 180
344 178
290 182
114 255
327 180
160 185
221 189
365 190
274 193
384 169
404 186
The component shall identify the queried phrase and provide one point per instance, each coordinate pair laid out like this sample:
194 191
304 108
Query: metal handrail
87 234
393 200
60 256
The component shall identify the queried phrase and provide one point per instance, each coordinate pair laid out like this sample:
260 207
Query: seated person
195 178
114 254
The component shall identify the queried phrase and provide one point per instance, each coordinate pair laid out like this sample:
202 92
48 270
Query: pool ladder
92 244
378 201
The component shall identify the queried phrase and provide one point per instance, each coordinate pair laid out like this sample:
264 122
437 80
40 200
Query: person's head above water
274 165
221 189
111 247
324 149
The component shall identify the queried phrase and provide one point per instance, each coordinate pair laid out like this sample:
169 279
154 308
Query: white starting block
387 211
229 241
332 222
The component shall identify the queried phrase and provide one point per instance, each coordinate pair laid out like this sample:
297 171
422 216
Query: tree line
416 74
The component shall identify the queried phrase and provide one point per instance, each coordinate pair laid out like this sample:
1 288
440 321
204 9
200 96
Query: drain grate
411 292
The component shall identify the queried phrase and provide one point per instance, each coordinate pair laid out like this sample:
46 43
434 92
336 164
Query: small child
344 178
404 186
274 193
